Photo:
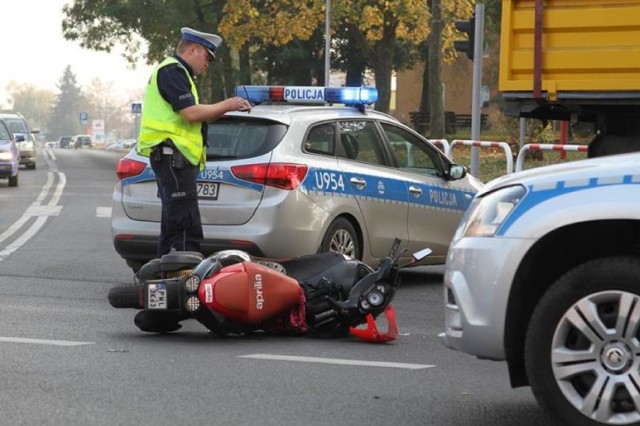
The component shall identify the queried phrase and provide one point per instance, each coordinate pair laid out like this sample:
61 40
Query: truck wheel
125 297
582 350
13 181
341 237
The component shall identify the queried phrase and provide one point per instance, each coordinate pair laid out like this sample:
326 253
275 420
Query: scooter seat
177 260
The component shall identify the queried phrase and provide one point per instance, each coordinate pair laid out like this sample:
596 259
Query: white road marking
103 211
35 210
336 361
44 341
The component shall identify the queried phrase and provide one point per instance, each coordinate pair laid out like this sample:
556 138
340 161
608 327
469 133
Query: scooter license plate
157 296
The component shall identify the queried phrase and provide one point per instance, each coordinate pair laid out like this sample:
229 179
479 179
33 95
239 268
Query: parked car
83 141
124 145
9 156
65 142
287 179
23 137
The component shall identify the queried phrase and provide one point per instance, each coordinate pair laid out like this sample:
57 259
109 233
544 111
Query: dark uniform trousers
181 226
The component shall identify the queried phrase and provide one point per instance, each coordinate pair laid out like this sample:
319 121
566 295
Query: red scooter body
249 293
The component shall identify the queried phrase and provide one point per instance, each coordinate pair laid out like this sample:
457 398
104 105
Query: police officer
173 134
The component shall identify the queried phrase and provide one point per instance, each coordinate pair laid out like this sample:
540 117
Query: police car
544 272
298 175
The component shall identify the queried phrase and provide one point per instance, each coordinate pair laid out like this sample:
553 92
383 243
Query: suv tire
580 351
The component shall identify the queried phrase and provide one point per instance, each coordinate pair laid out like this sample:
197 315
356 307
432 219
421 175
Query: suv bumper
28 157
8 169
477 282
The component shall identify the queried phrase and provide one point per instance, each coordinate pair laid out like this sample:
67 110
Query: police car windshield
238 137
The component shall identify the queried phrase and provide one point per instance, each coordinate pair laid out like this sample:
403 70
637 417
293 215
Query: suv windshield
4 134
232 137
16 125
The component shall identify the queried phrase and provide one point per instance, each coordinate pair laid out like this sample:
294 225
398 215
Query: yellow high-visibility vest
160 121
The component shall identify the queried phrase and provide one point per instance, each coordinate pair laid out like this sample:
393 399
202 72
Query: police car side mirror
20 137
456 172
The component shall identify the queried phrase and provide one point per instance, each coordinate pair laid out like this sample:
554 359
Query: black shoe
157 322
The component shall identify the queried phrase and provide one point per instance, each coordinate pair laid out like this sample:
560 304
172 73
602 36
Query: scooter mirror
420 255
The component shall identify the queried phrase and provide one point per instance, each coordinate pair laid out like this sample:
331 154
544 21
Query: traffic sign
84 117
136 108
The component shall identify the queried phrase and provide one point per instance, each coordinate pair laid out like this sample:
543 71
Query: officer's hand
238 104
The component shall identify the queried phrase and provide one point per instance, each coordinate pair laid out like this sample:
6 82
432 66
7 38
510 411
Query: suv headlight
487 213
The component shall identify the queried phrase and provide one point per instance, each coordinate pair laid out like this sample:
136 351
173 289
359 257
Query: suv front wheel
582 350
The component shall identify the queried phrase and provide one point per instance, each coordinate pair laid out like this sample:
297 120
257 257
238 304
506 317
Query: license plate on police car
208 190
157 296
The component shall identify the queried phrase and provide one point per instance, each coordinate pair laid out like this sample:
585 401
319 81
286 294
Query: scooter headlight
192 304
191 284
375 298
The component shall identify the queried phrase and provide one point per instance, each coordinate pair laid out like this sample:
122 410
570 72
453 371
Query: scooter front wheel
125 297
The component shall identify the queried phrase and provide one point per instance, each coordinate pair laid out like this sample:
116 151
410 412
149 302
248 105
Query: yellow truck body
586 46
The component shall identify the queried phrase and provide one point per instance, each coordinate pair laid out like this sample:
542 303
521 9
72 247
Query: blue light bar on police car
351 95
308 94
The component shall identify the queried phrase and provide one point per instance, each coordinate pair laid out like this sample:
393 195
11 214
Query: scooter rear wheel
125 297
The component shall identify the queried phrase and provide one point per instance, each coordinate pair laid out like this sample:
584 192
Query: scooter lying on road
231 292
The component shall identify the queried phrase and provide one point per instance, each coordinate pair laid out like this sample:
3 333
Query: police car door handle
415 190
359 182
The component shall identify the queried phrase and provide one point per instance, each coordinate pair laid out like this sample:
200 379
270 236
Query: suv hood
613 167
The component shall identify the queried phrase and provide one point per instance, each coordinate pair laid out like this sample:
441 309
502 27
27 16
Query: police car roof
285 113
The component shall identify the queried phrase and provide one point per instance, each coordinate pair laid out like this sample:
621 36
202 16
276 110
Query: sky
34 51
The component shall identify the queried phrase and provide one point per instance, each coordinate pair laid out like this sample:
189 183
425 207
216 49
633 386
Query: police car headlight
191 284
192 304
487 213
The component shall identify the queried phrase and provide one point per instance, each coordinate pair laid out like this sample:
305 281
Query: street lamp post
327 44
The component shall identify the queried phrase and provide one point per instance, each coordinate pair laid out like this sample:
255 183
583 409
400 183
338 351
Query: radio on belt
351 96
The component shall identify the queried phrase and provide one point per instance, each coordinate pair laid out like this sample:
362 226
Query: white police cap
209 41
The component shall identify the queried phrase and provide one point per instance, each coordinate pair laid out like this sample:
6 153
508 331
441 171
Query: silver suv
24 138
287 179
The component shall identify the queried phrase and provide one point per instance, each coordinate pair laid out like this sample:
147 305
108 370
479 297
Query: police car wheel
341 237
582 354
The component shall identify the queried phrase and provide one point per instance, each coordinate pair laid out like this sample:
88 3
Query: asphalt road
69 358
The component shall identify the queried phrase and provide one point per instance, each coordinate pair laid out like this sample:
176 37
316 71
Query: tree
101 25
438 49
32 102
388 32
101 104
385 31
65 114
